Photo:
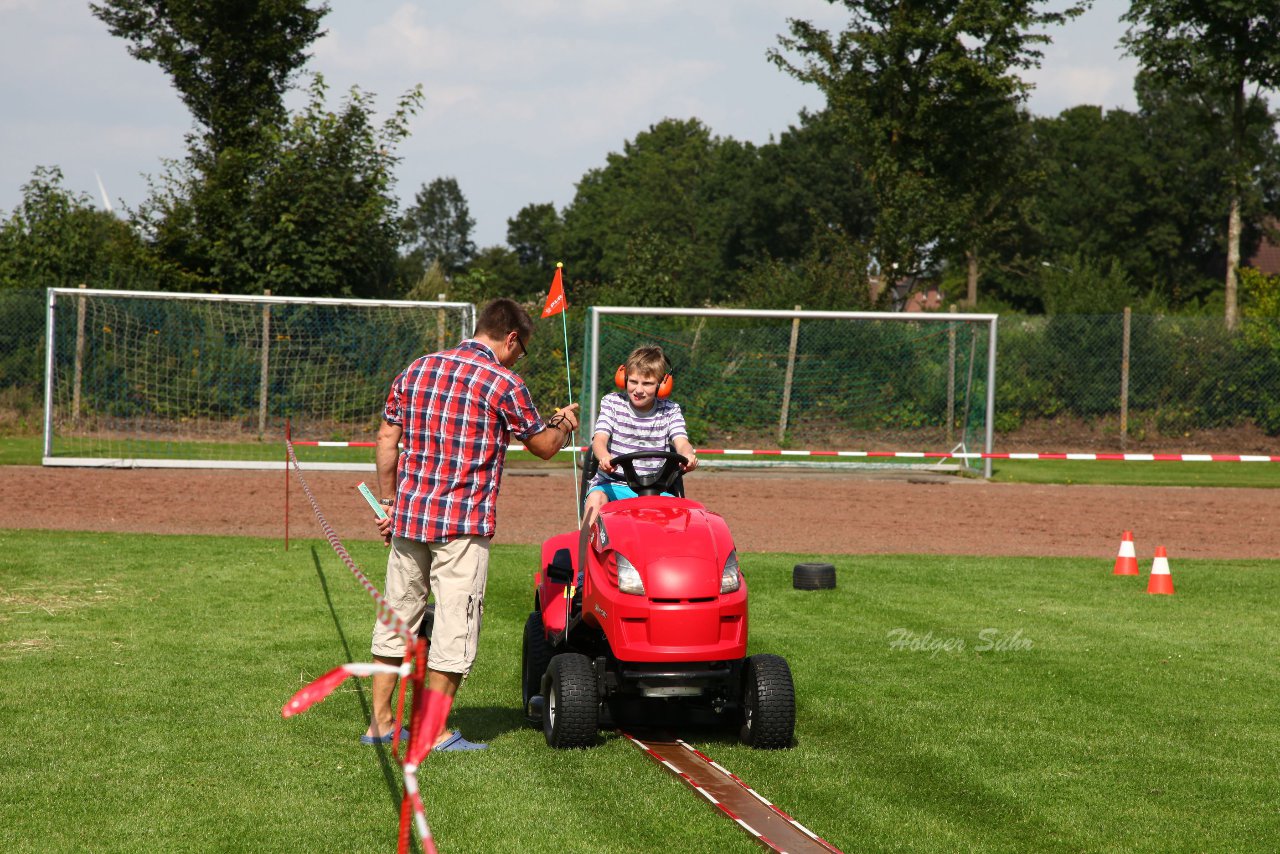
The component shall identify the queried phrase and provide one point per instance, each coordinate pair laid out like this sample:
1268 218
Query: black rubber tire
813 576
535 655
768 703
428 622
570 717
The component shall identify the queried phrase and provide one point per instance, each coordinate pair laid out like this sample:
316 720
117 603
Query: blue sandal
457 742
385 738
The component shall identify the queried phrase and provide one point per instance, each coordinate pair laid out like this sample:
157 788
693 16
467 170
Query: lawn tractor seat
560 570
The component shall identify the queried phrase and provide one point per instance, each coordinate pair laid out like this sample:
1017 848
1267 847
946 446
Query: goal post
152 379
822 380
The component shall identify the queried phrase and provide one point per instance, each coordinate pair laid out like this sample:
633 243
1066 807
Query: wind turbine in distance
106 201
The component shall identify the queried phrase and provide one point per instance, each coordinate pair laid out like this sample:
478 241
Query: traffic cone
1161 581
1127 560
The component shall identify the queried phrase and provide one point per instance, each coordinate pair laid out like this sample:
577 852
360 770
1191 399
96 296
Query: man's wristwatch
386 502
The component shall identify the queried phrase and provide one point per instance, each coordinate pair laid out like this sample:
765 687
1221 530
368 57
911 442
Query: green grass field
1262 475
945 704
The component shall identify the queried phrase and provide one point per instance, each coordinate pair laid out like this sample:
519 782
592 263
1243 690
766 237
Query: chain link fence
1119 381
22 322
1062 382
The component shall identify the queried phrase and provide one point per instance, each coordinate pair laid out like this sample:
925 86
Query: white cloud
1107 86
521 96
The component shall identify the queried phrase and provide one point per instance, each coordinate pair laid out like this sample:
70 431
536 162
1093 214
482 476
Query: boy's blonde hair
647 362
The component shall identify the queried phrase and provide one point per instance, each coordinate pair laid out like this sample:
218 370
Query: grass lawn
945 704
1265 475
21 450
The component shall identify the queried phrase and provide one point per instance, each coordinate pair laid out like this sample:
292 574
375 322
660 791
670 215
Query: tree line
924 167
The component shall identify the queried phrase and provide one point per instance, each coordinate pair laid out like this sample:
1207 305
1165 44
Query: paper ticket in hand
373 502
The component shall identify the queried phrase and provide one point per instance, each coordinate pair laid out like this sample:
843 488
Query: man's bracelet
386 502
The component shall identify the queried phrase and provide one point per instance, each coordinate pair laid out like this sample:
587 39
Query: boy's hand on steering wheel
691 462
606 464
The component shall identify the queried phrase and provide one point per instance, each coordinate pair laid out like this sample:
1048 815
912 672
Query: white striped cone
1127 560
1161 581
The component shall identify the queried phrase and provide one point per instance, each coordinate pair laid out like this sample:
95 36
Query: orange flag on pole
556 302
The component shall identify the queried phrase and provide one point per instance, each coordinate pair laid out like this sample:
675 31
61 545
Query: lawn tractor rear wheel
570 716
768 703
813 576
535 655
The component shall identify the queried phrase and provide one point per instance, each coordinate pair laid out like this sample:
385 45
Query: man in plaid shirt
455 412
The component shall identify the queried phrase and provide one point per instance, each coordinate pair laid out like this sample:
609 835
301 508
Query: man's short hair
647 362
500 317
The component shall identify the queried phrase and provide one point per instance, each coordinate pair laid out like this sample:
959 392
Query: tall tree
299 204
928 94
534 235
1104 197
438 226
1143 188
230 62
1220 49
317 216
665 202
805 187
56 238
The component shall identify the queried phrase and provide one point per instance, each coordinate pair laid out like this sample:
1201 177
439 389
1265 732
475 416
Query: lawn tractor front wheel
535 655
570 716
768 703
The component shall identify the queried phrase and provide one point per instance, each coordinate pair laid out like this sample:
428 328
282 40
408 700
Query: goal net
205 380
796 382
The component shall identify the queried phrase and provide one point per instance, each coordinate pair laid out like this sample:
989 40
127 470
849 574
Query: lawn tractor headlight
730 579
628 577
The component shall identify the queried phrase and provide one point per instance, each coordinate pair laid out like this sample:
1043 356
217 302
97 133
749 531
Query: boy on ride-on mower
639 417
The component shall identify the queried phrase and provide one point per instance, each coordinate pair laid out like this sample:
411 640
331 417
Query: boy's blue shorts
618 491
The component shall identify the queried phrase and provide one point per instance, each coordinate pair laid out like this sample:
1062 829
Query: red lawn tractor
642 620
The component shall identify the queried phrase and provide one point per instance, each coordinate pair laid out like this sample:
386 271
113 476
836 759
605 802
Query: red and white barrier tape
430 708
964 455
386 614
926 455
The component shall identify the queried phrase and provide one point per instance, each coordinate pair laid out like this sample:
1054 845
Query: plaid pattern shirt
457 409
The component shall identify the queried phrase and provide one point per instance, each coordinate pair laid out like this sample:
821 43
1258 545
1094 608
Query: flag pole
557 302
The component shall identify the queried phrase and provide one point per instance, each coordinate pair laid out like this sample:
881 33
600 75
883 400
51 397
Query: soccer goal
789 383
136 378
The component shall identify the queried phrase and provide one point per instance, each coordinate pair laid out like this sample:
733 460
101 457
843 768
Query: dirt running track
805 512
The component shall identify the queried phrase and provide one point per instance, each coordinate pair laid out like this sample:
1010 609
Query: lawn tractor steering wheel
663 480
669 478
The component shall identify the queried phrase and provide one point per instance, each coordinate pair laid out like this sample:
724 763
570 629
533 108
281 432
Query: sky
522 97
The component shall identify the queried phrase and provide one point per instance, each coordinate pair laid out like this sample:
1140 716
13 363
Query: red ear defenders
664 385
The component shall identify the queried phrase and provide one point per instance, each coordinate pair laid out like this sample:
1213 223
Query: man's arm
549 440
385 456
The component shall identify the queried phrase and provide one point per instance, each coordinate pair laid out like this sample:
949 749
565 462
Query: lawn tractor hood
678 546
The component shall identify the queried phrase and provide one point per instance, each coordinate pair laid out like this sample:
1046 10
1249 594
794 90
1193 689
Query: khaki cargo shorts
456 573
